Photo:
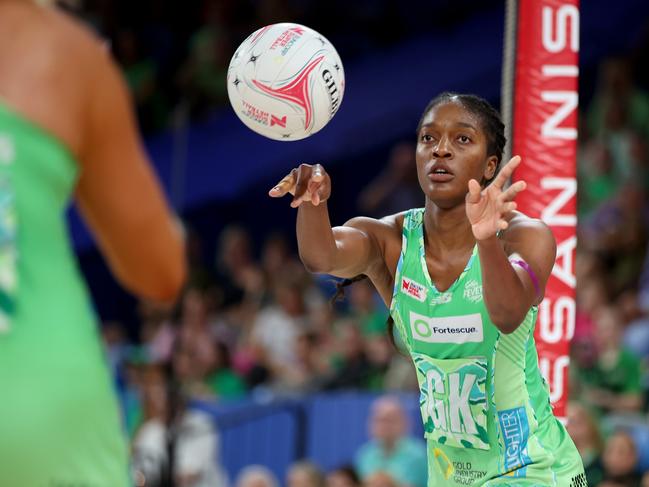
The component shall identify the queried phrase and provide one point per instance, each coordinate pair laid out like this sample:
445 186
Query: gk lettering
450 411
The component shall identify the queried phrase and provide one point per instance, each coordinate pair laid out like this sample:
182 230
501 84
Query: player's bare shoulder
525 230
518 220
53 58
383 230
386 232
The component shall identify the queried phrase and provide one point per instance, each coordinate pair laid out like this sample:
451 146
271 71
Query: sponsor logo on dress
442 298
515 432
451 329
473 291
413 289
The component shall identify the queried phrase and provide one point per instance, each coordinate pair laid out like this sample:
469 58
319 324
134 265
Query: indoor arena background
234 400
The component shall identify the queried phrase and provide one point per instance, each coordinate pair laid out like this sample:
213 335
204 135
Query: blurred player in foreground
66 126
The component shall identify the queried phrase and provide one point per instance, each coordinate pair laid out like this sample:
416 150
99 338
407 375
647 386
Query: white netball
286 81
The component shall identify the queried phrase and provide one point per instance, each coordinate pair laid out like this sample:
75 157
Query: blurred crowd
253 324
607 415
175 55
246 328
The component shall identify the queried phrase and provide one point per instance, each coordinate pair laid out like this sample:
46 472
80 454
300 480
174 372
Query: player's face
451 150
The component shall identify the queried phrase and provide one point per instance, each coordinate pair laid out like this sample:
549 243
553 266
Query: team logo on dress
413 289
473 291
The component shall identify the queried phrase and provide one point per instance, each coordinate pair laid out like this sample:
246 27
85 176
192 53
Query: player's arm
345 251
118 193
515 270
516 266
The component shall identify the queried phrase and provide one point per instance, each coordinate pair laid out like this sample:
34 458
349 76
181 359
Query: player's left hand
486 208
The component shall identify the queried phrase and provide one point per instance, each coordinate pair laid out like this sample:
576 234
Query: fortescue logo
449 329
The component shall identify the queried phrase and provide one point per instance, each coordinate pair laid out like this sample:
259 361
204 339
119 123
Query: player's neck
447 230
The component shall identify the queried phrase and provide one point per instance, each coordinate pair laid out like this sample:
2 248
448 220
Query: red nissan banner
544 134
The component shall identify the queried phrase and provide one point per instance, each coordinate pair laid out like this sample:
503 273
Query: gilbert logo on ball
286 81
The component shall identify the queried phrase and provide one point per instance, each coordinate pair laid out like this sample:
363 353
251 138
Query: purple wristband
530 272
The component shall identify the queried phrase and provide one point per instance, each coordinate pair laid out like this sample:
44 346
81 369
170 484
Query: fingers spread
511 206
513 191
314 184
286 185
474 191
301 185
318 173
506 172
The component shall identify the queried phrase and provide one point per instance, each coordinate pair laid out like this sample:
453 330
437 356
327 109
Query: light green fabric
486 410
59 420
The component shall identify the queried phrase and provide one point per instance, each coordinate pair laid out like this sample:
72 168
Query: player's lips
440 173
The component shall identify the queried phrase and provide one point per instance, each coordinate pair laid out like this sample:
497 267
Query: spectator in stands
620 461
380 479
311 366
344 476
256 476
223 381
140 72
617 233
195 442
379 352
202 78
305 474
636 333
616 85
396 188
612 384
277 261
277 328
350 366
598 181
366 307
390 450
235 266
584 432
194 330
191 368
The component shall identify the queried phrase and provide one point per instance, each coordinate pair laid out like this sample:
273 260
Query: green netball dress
59 423
485 406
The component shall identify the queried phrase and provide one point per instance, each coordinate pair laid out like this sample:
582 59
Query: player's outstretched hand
486 208
307 183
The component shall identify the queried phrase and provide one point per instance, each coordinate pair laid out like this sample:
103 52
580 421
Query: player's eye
426 138
464 139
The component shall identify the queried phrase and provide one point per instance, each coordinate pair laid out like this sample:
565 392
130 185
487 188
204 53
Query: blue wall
327 429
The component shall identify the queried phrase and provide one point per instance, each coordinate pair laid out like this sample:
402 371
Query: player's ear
490 168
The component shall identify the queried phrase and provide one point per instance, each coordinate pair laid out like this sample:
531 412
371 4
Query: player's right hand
307 183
